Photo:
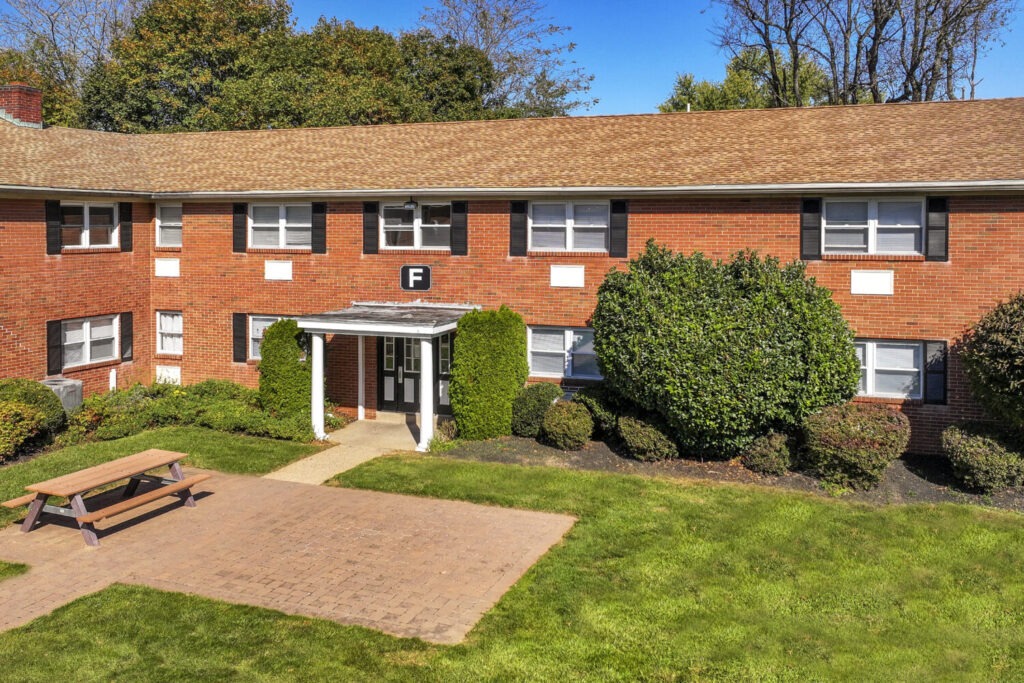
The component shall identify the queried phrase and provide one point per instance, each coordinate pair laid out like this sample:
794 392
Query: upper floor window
88 225
281 226
169 332
890 369
423 226
168 225
873 226
569 226
563 352
89 340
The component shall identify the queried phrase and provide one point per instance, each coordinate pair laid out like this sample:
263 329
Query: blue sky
635 49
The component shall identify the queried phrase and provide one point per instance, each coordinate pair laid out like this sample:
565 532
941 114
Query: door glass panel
444 362
412 355
389 353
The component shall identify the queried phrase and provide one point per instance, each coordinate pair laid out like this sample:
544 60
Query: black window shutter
460 229
53 227
810 230
935 372
54 348
618 227
239 227
371 228
124 229
319 229
936 234
517 229
239 336
127 336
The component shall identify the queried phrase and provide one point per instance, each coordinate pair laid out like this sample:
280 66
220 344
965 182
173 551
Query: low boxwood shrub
567 425
984 457
38 396
604 405
19 422
285 381
993 354
769 454
645 439
489 368
530 406
854 443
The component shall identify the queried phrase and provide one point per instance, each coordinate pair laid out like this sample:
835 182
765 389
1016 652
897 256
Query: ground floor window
89 340
258 325
169 332
563 352
890 369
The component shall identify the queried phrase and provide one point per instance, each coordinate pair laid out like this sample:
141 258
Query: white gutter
1016 185
419 331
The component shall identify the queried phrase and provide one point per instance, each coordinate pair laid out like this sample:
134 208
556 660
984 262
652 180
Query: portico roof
416 319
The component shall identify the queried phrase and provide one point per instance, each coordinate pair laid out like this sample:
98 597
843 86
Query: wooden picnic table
134 468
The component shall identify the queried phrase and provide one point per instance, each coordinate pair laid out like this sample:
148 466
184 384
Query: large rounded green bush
38 396
568 425
489 369
723 351
604 405
645 440
854 444
530 405
19 422
285 382
985 457
994 356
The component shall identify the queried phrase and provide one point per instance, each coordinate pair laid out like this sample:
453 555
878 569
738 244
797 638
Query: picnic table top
107 473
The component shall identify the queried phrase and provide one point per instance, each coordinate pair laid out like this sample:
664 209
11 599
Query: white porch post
361 361
317 401
426 393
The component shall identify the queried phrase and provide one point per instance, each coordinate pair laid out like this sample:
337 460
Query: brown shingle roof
927 142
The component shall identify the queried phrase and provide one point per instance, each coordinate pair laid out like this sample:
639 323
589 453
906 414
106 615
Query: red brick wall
933 300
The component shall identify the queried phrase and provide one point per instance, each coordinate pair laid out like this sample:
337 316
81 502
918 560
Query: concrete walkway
358 442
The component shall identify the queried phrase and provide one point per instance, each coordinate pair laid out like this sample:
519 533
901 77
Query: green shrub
604 405
530 406
993 354
19 422
645 440
984 457
285 381
769 454
219 389
567 425
38 396
489 369
723 351
854 443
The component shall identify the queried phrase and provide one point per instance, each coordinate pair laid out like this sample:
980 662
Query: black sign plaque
415 278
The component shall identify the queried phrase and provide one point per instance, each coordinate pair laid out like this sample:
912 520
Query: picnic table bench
134 468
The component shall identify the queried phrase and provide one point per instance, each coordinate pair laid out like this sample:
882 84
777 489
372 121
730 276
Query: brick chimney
21 104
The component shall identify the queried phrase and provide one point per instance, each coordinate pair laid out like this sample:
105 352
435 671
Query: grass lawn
9 569
658 580
234 453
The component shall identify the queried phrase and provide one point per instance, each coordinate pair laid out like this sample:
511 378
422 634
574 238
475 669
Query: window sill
91 366
902 402
172 250
568 254
167 356
873 257
413 251
90 250
279 250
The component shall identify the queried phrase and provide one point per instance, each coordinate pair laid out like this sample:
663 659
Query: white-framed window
88 225
569 226
168 225
281 226
89 340
852 225
562 352
890 369
258 325
169 331
427 226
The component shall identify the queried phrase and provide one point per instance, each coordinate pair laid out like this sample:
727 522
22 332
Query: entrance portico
419 325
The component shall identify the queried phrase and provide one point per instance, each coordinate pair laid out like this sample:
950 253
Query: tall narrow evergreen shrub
285 382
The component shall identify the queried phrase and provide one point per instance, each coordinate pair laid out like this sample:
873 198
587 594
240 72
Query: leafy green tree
61 104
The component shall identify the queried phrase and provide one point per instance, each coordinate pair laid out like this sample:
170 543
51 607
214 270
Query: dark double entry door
399 374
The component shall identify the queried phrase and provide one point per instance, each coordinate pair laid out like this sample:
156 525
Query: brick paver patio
407 566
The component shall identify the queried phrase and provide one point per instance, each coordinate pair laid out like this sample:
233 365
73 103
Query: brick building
125 258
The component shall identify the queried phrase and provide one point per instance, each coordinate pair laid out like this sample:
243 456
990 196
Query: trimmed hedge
568 426
854 443
604 405
985 457
645 440
38 396
530 406
993 354
489 368
723 351
19 422
285 382
769 454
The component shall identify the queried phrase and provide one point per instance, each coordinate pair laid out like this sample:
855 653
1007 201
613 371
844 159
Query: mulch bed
911 479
